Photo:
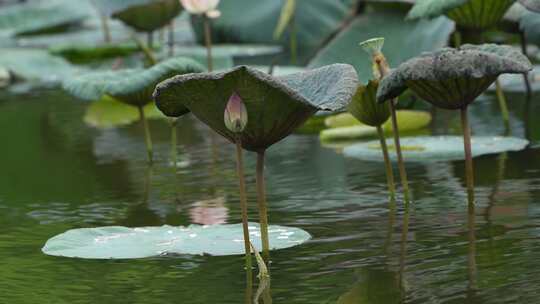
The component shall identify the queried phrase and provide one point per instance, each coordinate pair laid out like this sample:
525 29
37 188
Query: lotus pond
166 151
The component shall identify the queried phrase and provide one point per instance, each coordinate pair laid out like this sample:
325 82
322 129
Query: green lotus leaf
276 105
408 121
471 14
109 113
403 40
533 5
42 16
152 15
131 86
87 53
453 78
341 120
259 19
37 65
365 108
436 148
116 242
109 7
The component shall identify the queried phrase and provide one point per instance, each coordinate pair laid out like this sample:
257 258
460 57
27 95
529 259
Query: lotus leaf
437 148
116 242
86 53
276 105
365 108
109 113
150 16
453 78
131 86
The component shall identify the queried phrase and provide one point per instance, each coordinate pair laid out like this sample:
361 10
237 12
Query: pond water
58 174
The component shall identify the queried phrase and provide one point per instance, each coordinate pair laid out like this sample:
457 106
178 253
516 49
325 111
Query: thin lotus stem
468 155
171 39
243 201
471 256
502 104
523 39
387 163
147 136
403 246
145 49
104 24
401 163
261 201
293 36
208 40
174 152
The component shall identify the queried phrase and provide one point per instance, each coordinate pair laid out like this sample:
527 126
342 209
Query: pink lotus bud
202 7
236 116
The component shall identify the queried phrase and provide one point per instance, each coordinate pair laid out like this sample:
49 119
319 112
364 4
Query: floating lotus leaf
43 16
131 86
151 16
87 53
365 108
403 40
453 78
408 121
436 148
135 243
533 5
472 14
276 105
109 113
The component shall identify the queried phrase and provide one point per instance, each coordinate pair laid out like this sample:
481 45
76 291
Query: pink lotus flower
202 7
236 116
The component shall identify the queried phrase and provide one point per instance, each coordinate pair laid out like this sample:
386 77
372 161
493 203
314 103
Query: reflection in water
403 249
209 212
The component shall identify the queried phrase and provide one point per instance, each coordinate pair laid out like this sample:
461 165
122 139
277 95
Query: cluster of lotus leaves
470 14
131 86
365 108
533 5
276 105
453 78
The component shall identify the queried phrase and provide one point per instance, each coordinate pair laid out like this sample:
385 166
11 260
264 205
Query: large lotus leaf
365 108
315 21
275 105
408 121
436 148
36 65
533 5
403 40
109 113
109 7
86 53
453 78
116 242
471 14
42 16
150 16
131 86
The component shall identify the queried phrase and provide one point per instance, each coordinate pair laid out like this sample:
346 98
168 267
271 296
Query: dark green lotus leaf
43 16
109 7
453 78
131 86
365 108
276 105
471 14
533 5
403 40
116 242
86 53
149 16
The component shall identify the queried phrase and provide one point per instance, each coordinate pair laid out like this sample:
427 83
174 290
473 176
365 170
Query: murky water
57 174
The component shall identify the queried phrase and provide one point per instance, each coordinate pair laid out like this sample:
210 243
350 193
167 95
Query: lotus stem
174 158
171 39
502 104
468 155
293 41
208 41
403 245
387 163
471 256
523 39
397 143
147 137
145 49
105 28
243 201
261 201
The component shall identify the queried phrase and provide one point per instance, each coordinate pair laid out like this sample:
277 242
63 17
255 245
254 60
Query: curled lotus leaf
276 106
131 86
533 5
365 108
150 15
471 14
453 78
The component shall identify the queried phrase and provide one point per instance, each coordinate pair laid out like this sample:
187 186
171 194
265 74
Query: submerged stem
468 155
174 153
403 247
261 201
401 163
208 41
243 201
471 254
502 104
147 137
387 163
